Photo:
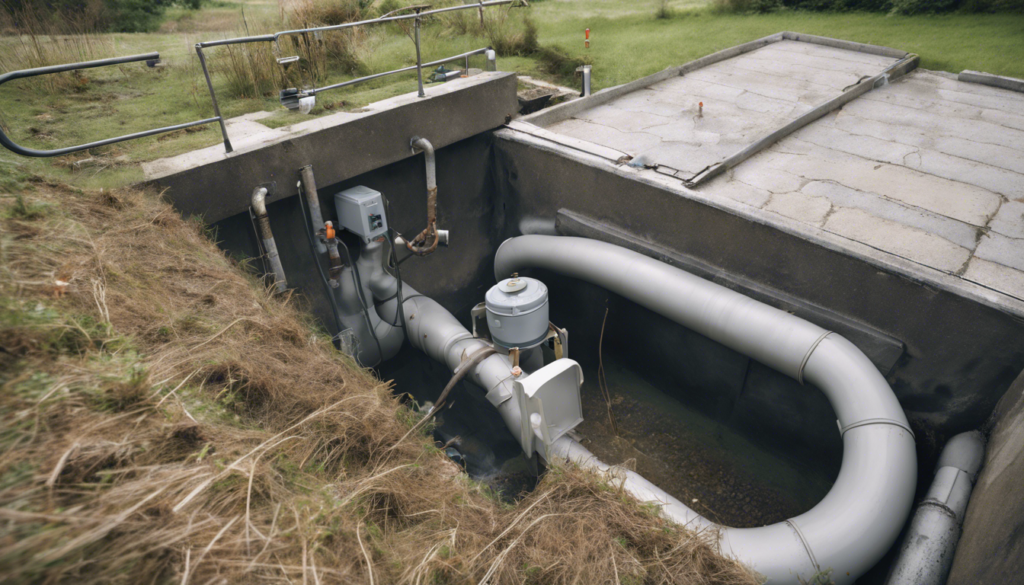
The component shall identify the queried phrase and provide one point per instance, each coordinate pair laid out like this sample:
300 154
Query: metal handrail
465 55
384 19
418 67
416 17
16 148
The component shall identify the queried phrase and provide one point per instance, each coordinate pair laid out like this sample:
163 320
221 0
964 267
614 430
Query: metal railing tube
419 59
6 142
274 37
213 99
359 80
23 73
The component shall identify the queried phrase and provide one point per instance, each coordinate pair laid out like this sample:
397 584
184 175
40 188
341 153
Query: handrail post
419 60
213 98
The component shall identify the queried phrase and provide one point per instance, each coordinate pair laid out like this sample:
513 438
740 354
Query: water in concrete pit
709 467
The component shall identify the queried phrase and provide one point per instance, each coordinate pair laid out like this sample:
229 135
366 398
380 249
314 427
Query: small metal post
467 65
213 98
419 61
585 70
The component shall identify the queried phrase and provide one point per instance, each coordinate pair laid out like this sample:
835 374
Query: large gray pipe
861 516
259 206
377 339
930 543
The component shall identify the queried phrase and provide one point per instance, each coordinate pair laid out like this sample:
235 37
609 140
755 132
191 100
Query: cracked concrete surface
744 98
927 168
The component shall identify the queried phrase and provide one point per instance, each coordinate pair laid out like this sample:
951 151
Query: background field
629 40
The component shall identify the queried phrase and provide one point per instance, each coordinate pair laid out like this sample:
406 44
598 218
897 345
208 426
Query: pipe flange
807 356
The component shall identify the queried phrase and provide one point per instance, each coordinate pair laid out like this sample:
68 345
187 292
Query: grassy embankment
628 42
164 419
141 442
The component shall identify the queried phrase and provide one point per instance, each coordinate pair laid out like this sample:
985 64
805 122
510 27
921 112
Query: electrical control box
361 211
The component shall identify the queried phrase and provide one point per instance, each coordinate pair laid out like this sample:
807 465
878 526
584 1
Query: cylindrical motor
517 312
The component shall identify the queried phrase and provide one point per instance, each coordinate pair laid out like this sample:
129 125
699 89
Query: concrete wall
340 146
456 276
959 358
991 549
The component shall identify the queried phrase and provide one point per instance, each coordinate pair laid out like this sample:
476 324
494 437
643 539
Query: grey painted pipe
377 340
316 217
259 205
433 330
930 543
427 240
861 516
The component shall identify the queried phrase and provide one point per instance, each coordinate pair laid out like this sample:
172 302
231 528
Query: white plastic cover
549 400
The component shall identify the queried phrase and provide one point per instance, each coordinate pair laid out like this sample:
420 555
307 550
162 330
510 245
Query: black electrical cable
392 234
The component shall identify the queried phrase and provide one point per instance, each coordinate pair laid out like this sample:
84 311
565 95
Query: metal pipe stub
427 240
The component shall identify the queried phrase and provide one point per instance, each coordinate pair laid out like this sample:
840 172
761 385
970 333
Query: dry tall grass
252 69
31 39
163 418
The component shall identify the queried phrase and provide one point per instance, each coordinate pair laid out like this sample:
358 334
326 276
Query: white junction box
361 211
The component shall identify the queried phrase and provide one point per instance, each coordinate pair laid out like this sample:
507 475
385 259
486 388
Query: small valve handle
329 231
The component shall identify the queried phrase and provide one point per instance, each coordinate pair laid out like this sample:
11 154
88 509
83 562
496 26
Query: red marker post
586 39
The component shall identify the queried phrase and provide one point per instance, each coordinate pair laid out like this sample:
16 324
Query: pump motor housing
517 312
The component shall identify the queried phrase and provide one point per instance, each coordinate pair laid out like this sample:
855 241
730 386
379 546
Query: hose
460 372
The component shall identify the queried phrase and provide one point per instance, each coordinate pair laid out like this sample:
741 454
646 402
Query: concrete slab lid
978 288
936 164
689 123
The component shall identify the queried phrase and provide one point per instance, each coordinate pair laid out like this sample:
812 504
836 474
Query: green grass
628 42
624 48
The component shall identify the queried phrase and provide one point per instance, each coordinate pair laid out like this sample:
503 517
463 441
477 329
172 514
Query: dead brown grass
164 419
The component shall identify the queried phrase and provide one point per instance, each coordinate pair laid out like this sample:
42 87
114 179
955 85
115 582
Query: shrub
663 11
511 36
556 61
134 15
42 39
88 15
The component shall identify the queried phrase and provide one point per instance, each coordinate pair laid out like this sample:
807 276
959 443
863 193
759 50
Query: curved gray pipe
861 516
427 240
259 206
433 330
378 340
930 544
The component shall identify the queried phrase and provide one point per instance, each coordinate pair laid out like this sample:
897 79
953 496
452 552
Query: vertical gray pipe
313 202
930 543
259 205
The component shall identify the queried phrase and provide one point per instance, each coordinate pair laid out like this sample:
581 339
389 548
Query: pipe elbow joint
418 143
259 200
